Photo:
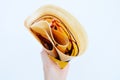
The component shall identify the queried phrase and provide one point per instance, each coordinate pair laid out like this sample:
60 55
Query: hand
51 70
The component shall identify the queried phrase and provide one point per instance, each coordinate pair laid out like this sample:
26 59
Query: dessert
60 34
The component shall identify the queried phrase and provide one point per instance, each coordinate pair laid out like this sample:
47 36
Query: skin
51 70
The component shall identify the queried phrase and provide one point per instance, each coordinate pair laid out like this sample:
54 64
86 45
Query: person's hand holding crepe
60 34
51 70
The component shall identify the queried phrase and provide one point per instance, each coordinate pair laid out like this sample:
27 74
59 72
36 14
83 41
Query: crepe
60 34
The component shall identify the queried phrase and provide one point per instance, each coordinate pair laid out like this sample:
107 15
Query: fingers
46 60
48 63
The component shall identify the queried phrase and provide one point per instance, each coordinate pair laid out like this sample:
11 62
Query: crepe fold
60 34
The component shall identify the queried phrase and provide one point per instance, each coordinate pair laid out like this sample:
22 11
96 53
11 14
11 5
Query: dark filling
45 42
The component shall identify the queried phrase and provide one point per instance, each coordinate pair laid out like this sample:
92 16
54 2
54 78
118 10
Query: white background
20 52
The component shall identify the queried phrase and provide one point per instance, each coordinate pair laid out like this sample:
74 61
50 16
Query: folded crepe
60 34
